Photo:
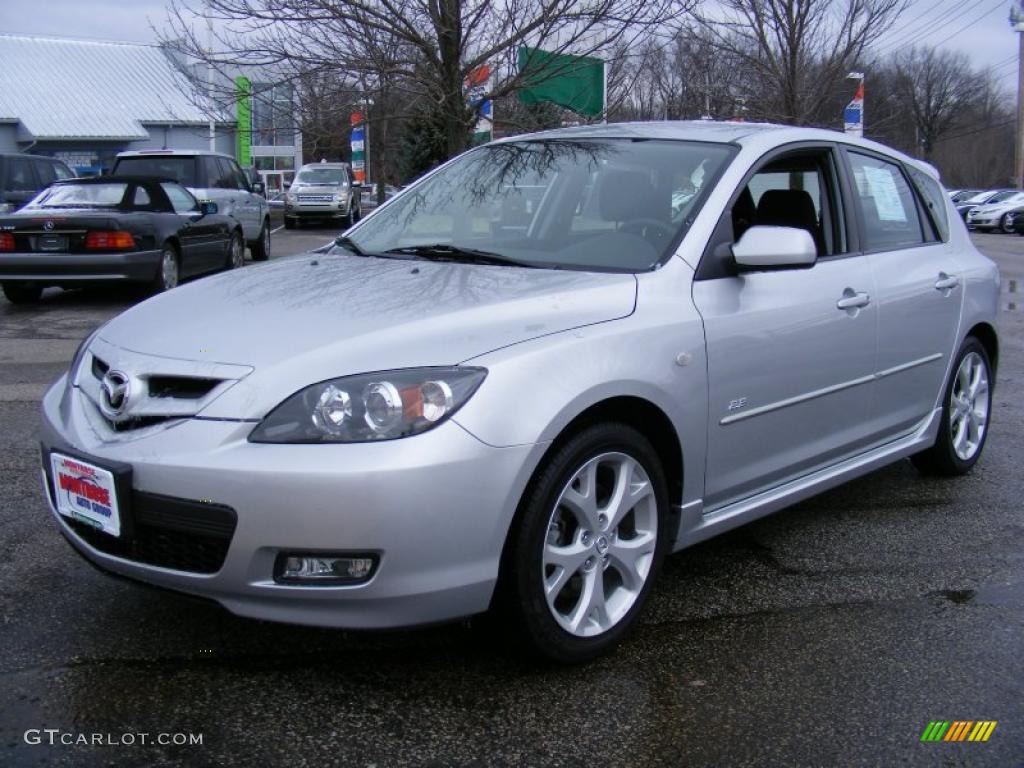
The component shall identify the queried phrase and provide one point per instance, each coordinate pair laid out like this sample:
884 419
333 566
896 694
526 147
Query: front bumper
66 268
983 221
318 210
435 508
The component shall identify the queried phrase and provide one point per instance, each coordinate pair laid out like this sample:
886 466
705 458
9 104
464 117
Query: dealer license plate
85 492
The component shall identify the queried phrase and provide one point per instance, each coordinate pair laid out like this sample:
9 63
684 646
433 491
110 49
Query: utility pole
1017 24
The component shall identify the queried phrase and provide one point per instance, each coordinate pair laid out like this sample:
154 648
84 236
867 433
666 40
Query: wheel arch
641 414
986 334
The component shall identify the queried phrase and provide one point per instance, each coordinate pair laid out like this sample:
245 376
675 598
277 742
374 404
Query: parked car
443 414
989 196
113 229
323 191
961 195
992 215
22 177
209 176
369 195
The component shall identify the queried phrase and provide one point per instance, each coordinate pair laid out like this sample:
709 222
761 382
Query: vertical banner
853 115
478 85
358 147
243 120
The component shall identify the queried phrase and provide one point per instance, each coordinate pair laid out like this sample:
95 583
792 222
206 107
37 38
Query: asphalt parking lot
829 634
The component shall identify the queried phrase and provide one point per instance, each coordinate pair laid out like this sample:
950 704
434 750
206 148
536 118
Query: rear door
918 283
202 242
791 352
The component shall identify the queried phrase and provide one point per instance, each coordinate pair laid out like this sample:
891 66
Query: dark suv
23 176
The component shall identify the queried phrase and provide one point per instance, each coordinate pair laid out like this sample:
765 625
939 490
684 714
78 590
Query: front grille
168 532
185 387
316 198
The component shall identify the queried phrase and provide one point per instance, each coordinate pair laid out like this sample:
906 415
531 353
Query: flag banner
573 82
243 121
853 115
478 85
358 144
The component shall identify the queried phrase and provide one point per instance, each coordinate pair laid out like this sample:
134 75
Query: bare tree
937 87
424 49
796 53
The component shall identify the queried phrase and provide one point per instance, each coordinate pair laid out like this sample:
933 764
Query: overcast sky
979 28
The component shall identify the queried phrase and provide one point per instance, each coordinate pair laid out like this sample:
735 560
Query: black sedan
113 229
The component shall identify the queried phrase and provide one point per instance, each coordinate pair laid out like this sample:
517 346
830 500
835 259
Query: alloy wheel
168 270
969 406
237 252
600 544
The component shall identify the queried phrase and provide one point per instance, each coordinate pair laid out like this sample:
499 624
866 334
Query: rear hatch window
180 169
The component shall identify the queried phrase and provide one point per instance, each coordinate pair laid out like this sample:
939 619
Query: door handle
853 300
946 282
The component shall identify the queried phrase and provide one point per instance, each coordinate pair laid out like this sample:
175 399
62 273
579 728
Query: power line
899 32
985 127
947 16
998 4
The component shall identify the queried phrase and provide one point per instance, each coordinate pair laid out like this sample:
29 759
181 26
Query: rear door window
888 209
62 171
19 174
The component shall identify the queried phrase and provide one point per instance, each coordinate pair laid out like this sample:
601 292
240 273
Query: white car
213 177
995 213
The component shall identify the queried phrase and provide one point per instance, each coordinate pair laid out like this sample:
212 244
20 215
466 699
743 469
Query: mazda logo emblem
48 225
115 392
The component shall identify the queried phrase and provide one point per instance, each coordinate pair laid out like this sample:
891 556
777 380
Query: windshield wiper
449 252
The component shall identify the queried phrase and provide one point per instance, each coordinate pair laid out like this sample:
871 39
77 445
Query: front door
791 353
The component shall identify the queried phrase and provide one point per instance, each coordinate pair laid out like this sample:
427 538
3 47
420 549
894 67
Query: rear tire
1005 225
573 612
236 251
260 247
167 271
966 411
18 292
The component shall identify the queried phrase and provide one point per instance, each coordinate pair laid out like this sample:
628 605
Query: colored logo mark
958 730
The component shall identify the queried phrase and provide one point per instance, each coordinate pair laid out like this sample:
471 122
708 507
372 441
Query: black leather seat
790 208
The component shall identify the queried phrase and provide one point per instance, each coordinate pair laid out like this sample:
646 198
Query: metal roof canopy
62 88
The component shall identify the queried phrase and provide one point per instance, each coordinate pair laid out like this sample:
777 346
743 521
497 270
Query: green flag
574 82
243 118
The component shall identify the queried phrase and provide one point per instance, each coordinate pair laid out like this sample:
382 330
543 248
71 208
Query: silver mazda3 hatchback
530 376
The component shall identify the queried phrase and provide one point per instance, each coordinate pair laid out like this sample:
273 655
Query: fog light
297 568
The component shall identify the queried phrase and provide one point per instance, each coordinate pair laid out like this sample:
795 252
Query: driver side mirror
763 247
259 188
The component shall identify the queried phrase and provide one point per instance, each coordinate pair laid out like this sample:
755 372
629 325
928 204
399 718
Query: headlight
5 207
289 197
339 197
370 406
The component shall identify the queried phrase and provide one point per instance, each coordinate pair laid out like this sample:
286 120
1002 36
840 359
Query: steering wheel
646 227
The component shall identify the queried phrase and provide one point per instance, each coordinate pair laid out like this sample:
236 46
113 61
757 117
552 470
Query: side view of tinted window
19 174
62 171
933 197
216 173
44 170
235 175
887 206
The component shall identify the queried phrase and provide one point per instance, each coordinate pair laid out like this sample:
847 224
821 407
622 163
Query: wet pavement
829 634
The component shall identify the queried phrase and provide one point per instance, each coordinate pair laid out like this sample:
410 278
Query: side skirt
696 525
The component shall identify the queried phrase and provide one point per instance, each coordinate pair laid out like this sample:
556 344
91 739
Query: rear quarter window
934 200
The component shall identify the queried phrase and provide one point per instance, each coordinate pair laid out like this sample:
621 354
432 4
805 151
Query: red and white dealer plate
85 492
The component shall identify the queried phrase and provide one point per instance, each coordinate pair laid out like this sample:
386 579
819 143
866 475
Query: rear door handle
946 282
853 300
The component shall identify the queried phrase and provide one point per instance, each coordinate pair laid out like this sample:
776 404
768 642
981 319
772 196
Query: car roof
756 135
123 179
304 166
31 157
171 153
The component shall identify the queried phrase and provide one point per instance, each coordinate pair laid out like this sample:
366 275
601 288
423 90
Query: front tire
22 293
1005 225
967 406
589 543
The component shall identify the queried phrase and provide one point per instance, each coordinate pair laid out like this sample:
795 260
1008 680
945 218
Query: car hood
300 320
997 207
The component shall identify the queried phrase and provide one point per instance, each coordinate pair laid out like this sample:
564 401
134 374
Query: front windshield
328 177
1002 197
604 204
80 195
